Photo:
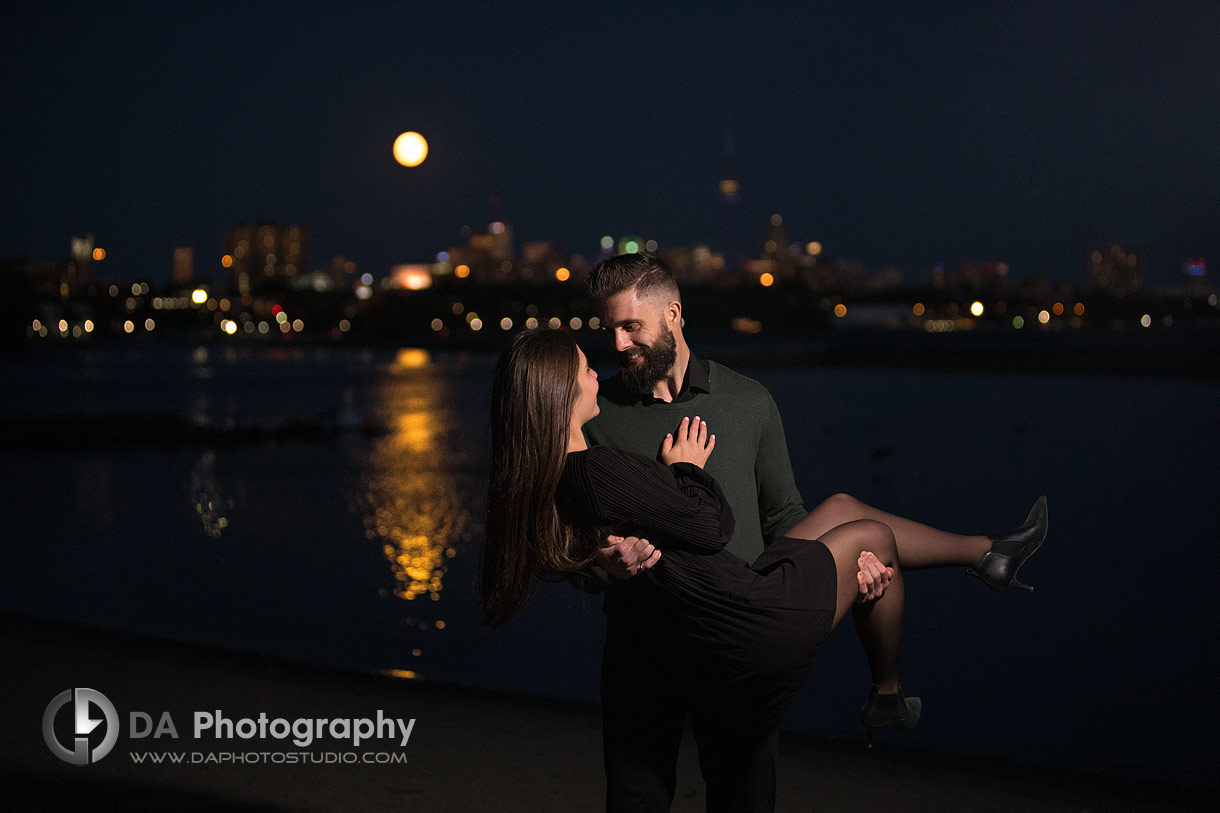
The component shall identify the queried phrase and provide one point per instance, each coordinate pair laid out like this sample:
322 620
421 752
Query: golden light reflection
406 674
410 358
416 501
417 565
413 431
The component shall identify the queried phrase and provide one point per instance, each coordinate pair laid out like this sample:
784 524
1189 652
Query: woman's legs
919 546
878 622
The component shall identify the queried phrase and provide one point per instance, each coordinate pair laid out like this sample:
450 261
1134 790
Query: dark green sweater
750 461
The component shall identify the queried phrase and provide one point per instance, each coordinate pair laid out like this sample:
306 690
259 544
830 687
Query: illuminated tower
728 199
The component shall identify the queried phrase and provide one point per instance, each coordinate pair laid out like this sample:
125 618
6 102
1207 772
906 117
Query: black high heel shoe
889 711
1010 550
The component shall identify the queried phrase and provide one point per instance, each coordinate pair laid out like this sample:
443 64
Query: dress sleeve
674 507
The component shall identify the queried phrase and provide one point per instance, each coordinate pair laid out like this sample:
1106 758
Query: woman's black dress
751 630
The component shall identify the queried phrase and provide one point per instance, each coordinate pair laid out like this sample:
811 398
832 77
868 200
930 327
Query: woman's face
586 407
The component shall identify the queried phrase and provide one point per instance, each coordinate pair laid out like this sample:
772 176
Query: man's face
642 340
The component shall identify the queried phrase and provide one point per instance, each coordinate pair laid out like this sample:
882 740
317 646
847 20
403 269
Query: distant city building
1194 273
778 256
935 276
82 248
83 252
264 256
342 272
49 278
980 275
494 245
487 256
184 265
540 260
1118 269
695 264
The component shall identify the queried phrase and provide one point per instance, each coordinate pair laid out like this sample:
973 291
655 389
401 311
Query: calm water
361 551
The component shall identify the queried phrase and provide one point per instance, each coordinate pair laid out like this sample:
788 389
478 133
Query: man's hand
624 557
873 577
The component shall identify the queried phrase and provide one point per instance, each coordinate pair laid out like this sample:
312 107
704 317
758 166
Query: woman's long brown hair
532 396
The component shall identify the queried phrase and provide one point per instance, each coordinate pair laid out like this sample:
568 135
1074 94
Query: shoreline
469 749
1185 353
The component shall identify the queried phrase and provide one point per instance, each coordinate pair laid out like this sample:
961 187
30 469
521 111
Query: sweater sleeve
674 507
779 501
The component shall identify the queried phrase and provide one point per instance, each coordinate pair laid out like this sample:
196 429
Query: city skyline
1028 135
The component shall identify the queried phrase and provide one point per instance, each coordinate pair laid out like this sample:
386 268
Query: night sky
892 132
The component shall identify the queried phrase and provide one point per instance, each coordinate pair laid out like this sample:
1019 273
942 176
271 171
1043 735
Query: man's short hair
645 272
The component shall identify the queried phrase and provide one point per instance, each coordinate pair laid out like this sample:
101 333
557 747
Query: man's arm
779 501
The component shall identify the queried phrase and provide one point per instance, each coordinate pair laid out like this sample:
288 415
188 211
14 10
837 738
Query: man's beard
658 361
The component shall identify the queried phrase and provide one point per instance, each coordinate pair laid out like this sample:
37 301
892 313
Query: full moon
410 149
